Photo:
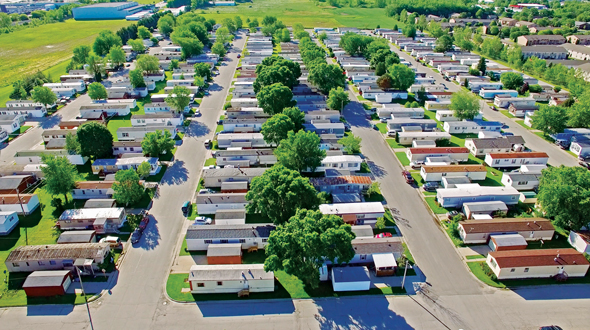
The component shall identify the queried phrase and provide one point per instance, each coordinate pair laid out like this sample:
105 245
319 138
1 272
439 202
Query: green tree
179 99
274 98
203 70
43 95
199 81
72 144
579 112
136 45
276 73
219 49
223 36
269 20
300 246
105 40
297 117
481 66
466 105
511 80
127 189
238 22
174 64
5 21
59 175
117 56
96 67
351 144
337 99
474 72
492 47
95 140
550 120
409 31
276 128
143 32
322 36
81 54
300 151
564 195
444 44
285 35
148 63
136 78
143 170
166 24
279 192
402 77
157 143
97 91
326 77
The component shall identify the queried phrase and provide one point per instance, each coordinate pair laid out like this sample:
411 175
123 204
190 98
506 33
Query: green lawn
393 144
507 113
544 137
382 128
403 158
125 121
157 177
475 267
477 256
458 140
521 123
418 179
434 207
210 161
39 48
493 178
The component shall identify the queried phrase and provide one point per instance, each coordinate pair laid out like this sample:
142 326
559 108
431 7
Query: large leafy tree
95 140
136 78
203 70
219 49
274 98
143 32
166 24
190 43
564 195
180 98
276 128
326 77
465 105
60 175
351 143
96 66
97 91
105 40
579 112
72 144
550 120
279 61
43 95
402 77
127 188
354 44
117 56
136 45
157 143
297 117
300 151
269 75
279 193
511 80
148 63
300 246
81 54
337 99
444 44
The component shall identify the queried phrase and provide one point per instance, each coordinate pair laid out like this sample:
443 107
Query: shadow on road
554 292
47 122
377 170
54 310
245 308
215 87
175 174
151 235
197 129
358 313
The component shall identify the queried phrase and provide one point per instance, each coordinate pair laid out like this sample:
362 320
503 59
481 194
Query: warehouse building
106 10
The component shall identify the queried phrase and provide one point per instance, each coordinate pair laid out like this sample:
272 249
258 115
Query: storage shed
78 236
487 208
507 242
351 279
385 264
224 254
47 283
8 220
230 217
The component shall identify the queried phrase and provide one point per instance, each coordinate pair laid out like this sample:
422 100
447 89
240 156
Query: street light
85 299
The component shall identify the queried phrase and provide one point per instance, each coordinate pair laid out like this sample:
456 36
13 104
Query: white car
202 221
113 241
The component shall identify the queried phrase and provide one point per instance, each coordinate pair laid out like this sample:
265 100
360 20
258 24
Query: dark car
136 236
550 327
375 127
408 177
431 186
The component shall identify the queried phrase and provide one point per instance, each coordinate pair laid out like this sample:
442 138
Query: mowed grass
39 48
304 12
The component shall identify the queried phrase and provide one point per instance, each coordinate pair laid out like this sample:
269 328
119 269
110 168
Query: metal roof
229 273
350 274
229 231
58 251
45 278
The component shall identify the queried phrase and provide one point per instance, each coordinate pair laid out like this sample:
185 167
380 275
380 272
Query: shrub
186 123
443 143
488 271
380 224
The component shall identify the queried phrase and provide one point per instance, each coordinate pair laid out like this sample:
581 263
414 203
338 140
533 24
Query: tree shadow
377 170
369 312
246 308
47 122
197 129
215 87
151 235
175 174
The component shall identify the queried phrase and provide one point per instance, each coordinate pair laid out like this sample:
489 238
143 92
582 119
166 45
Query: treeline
38 18
442 8
21 89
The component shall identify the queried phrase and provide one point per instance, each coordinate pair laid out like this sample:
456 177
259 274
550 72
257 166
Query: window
223 241
526 270
219 283
264 240
125 134
208 241
15 264
52 262
200 285
242 240
41 263
512 270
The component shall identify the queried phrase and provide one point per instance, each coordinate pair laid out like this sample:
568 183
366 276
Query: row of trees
38 17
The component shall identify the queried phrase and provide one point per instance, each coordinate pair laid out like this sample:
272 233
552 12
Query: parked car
185 208
206 191
417 164
144 221
584 164
454 213
207 143
408 177
113 241
383 120
375 127
383 235
136 236
239 55
202 221
197 113
430 186
550 327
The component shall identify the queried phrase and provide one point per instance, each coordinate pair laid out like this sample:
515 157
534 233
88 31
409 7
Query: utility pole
20 201
405 271
85 298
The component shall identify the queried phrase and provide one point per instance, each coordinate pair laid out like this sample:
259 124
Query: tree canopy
351 144
148 63
511 80
300 151
274 98
180 98
43 95
466 105
60 175
127 189
300 246
297 117
326 76
96 91
279 192
402 77
276 128
117 56
337 99
95 140
136 78
550 119
156 143
105 40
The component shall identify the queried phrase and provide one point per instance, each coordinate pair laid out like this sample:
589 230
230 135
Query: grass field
46 46
304 12
403 158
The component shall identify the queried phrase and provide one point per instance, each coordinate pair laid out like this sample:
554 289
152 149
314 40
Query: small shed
47 283
580 240
507 242
385 264
8 221
234 187
224 254
77 236
346 198
487 208
100 203
362 231
351 279
230 217
453 181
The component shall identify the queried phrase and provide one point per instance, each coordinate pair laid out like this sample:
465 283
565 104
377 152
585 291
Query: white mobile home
344 162
437 172
471 127
199 237
230 279
516 159
543 263
455 197
210 203
243 140
521 181
479 231
407 138
355 213
458 154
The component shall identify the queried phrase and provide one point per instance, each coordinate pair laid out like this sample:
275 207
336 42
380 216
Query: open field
39 48
304 12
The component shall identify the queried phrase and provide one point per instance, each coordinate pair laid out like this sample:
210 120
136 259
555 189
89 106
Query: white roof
106 213
352 208
481 217
384 260
342 158
229 272
508 240
4 215
473 190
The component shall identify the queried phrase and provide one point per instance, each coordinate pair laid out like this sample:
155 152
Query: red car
408 177
383 235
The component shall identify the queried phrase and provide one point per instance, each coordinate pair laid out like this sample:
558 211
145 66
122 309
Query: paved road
556 155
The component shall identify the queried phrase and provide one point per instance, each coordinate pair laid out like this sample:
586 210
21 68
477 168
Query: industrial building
107 10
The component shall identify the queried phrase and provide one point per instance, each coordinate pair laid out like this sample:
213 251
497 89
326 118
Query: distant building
106 10
531 40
